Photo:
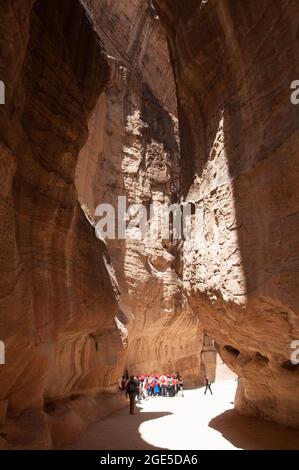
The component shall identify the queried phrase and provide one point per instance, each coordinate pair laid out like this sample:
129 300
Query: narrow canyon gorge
151 102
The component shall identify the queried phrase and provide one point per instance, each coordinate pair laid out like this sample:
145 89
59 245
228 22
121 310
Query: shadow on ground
121 434
246 432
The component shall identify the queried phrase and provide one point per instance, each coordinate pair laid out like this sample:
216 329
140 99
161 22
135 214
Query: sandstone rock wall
233 64
58 302
133 151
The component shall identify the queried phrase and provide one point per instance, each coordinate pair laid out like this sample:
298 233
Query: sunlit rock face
58 300
233 64
133 151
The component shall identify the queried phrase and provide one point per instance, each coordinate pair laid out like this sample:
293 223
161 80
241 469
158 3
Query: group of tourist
158 385
148 385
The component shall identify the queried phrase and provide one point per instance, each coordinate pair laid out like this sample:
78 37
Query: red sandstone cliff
133 150
234 63
91 107
56 289
107 97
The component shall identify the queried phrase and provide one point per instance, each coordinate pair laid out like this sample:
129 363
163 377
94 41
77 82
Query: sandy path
193 422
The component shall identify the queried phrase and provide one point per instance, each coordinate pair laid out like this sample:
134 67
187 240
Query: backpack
132 387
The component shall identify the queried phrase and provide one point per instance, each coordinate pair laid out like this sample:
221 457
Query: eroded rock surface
234 63
133 151
67 299
58 301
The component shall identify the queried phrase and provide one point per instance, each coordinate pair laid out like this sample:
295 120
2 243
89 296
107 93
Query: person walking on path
131 391
208 385
181 385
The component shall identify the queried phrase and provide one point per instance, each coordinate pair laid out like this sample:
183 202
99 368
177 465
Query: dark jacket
132 387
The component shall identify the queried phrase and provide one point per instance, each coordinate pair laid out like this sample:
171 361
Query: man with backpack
208 385
131 391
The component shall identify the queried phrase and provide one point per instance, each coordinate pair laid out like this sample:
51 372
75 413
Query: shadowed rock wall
133 151
58 302
233 64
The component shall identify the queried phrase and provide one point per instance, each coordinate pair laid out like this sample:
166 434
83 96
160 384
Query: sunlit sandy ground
196 422
187 425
